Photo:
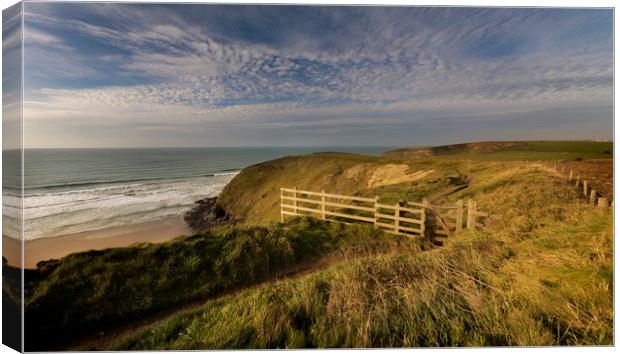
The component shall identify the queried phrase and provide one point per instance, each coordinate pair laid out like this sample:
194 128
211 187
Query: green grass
539 274
253 195
100 288
530 150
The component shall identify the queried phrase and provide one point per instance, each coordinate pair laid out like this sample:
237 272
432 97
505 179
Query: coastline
129 189
121 236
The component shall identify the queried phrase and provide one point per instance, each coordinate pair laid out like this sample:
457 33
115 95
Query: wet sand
57 247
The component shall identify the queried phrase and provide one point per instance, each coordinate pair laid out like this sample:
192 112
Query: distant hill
511 150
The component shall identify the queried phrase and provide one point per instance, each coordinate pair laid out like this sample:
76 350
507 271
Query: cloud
251 66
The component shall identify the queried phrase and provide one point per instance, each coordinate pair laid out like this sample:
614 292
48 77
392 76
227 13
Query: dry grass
97 290
254 195
598 173
539 274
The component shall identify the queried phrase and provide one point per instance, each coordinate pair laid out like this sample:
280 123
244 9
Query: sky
137 75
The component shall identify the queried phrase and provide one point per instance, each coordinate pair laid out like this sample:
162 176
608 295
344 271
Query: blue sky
124 75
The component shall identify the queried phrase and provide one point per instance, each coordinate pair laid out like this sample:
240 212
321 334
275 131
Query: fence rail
404 218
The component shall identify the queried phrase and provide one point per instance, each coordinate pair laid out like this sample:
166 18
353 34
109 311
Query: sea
75 190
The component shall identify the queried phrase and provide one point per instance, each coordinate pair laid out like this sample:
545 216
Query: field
539 273
599 173
510 151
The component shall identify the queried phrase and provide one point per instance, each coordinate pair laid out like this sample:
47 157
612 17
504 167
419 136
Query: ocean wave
234 173
55 213
74 187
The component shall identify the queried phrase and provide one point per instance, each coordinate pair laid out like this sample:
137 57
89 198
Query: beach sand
11 250
57 247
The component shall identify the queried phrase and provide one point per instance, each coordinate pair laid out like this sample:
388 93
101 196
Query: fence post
396 216
585 188
295 200
281 205
602 203
323 204
423 223
459 216
471 214
425 205
577 181
562 170
592 196
570 176
555 166
376 209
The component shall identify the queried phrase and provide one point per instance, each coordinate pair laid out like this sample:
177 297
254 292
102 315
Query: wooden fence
592 196
403 218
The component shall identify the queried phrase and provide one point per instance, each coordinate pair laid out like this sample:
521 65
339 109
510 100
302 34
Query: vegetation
11 305
102 287
253 195
540 274
520 150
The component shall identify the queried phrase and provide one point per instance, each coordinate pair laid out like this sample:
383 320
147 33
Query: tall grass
89 290
253 196
539 274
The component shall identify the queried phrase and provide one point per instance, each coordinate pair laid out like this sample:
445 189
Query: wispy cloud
255 67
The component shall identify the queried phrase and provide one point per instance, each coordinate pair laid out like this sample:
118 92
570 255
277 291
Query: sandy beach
57 247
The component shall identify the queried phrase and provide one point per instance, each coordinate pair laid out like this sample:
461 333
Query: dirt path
438 196
103 338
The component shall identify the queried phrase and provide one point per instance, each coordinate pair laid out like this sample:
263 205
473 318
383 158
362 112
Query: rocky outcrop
206 214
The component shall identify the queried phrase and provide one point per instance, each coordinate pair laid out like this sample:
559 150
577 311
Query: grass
100 288
539 274
253 195
530 150
11 306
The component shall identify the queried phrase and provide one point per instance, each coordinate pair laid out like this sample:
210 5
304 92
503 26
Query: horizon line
611 140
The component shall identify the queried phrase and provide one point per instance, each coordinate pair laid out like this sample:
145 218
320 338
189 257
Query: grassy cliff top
404 174
540 274
254 194
511 150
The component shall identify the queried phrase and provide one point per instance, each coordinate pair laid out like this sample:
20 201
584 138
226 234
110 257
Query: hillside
99 289
253 195
511 150
403 174
540 274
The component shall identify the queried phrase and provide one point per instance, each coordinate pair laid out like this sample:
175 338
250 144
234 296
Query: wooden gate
435 222
450 219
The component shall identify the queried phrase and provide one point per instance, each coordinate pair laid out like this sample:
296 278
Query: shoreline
47 248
